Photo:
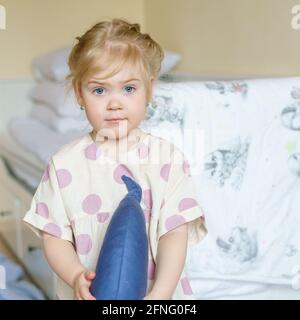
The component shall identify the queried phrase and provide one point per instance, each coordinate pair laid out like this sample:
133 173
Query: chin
113 133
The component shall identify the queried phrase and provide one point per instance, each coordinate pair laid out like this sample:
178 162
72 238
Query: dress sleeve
47 212
180 205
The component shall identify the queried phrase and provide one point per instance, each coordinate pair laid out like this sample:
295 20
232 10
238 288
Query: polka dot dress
81 188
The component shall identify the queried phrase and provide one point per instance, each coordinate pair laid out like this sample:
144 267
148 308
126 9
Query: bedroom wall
34 27
229 37
215 38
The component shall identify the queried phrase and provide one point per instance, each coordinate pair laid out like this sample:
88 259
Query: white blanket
249 187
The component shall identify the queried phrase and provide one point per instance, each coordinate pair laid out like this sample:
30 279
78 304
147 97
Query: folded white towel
47 116
55 95
53 65
25 131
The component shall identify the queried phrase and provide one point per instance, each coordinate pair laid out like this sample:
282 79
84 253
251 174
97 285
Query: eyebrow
99 82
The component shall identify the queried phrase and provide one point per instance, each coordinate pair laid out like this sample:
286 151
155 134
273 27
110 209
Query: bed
230 111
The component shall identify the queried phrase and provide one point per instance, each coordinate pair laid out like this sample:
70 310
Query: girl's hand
82 285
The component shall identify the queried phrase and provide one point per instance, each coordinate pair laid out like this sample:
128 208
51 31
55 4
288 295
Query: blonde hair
112 45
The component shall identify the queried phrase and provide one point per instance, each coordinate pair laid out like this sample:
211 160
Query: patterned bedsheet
246 137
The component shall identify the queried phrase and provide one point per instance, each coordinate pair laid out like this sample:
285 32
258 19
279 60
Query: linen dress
82 186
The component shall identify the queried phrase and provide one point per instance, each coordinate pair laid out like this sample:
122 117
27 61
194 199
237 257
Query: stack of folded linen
54 105
13 286
55 117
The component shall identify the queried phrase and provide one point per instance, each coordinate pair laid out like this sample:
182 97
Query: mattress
21 164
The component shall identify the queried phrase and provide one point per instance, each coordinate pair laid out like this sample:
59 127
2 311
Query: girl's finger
77 297
82 291
85 293
90 275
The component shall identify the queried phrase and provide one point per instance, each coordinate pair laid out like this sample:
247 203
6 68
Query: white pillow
54 64
170 60
51 119
55 96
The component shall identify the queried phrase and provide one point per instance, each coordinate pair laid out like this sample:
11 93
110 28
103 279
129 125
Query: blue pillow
121 271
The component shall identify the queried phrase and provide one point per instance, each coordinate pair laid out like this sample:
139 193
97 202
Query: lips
115 119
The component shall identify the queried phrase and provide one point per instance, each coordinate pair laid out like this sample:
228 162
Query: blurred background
221 42
229 38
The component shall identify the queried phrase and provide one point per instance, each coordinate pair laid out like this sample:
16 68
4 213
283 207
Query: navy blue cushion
121 272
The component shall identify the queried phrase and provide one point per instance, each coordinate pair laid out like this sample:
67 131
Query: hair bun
136 27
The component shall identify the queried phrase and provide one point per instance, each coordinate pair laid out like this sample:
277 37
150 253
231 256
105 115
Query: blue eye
129 87
98 91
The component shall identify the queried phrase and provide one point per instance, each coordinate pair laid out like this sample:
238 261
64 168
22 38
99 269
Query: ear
78 95
151 87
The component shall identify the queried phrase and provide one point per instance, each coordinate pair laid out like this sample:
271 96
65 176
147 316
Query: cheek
142 111
90 99
138 111
94 116
140 106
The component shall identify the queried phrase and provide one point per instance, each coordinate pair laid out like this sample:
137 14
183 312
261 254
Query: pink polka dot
147 198
151 269
186 287
92 152
102 216
91 204
45 176
147 214
83 244
187 203
174 221
143 150
119 171
42 209
165 171
186 167
64 177
53 229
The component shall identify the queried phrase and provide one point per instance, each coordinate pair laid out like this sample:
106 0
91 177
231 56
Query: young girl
113 67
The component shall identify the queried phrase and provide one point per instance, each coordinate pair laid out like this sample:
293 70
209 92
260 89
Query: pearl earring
81 107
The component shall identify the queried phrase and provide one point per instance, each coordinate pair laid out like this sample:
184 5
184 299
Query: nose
114 104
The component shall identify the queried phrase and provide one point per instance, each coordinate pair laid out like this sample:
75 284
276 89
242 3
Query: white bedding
37 138
23 163
249 190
